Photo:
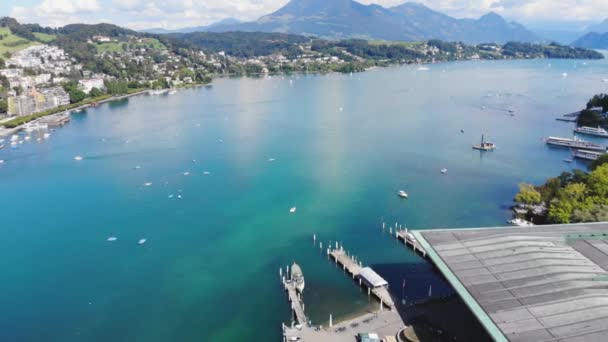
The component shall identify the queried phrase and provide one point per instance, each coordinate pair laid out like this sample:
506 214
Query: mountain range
338 19
593 40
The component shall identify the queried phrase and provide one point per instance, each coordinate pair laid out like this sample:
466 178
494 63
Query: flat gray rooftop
543 283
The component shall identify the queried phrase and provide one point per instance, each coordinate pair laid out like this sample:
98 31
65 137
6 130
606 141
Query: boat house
372 279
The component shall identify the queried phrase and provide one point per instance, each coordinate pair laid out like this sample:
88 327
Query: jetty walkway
354 267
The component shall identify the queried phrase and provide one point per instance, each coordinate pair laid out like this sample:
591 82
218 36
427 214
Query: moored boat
520 223
599 132
575 143
485 145
297 277
587 155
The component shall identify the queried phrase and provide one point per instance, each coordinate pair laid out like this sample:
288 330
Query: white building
87 85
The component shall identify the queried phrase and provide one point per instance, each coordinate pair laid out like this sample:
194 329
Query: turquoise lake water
343 146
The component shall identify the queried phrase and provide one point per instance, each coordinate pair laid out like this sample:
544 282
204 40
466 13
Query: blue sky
172 14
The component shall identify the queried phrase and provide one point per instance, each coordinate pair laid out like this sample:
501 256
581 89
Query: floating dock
354 268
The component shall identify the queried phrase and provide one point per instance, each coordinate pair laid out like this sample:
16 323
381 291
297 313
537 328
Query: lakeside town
45 72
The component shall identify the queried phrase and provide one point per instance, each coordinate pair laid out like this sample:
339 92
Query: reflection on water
342 147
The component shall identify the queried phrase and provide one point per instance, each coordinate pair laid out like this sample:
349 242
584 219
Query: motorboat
402 194
444 171
78 158
141 241
297 277
292 210
112 238
520 223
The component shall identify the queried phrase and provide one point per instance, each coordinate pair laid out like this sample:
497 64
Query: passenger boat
599 132
297 277
587 155
575 143
485 145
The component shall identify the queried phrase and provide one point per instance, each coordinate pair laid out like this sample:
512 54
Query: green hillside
10 43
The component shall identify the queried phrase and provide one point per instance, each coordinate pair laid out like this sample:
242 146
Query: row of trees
591 117
572 197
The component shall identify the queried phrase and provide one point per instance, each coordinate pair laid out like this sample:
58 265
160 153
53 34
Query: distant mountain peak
491 17
410 21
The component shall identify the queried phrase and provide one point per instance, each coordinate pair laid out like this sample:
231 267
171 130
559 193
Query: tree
3 106
598 182
603 159
572 197
95 92
77 95
528 194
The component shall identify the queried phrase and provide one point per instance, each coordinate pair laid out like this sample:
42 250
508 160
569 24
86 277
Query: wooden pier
353 267
297 305
402 235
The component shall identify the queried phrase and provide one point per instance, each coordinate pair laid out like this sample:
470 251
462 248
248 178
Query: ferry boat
599 132
297 277
587 155
402 194
485 145
575 143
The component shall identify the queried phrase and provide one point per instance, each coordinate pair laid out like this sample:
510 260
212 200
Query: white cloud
180 13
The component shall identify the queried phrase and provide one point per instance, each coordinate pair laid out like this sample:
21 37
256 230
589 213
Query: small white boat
292 210
402 194
271 159
206 173
186 173
137 167
46 135
179 196
1 161
564 75
14 137
423 68
112 238
141 241
444 170
148 184
171 196
520 223
27 138
78 158
172 92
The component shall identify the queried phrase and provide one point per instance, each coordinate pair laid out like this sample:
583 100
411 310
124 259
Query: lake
240 154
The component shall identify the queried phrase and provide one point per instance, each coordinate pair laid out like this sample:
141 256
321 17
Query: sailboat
485 145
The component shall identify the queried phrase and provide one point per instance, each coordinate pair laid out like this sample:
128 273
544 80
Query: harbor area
389 316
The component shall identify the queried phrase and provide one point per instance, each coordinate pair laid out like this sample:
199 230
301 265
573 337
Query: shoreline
5 132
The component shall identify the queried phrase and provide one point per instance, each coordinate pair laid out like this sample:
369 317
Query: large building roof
372 278
543 283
